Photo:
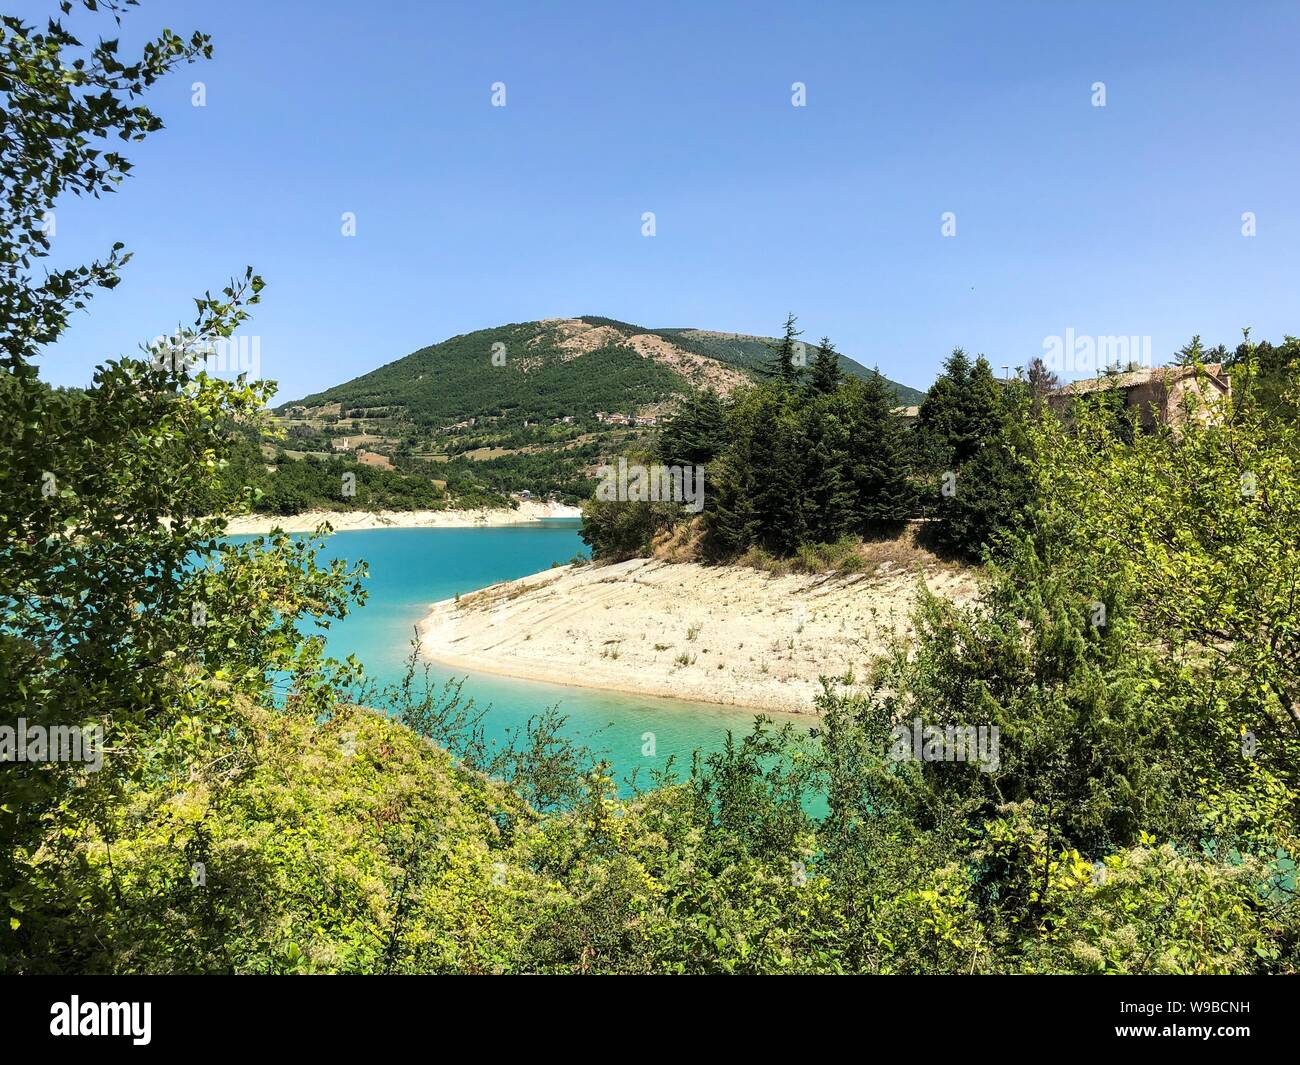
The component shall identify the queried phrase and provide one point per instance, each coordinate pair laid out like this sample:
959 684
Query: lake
412 568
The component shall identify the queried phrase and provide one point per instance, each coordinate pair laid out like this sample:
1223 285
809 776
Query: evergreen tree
780 485
694 436
829 496
1041 379
980 412
939 419
758 496
731 518
826 374
1191 353
988 458
876 456
786 369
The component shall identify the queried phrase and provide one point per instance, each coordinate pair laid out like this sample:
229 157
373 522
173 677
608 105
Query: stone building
1158 393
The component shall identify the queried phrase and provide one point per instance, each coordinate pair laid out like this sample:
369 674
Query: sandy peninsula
349 520
719 634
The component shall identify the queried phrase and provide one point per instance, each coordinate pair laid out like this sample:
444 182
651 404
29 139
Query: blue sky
1122 220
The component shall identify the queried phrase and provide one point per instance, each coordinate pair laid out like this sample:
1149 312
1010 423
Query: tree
1191 353
826 374
877 463
787 368
1265 369
694 435
1200 526
939 420
1041 379
978 429
829 502
61 109
980 412
125 613
758 493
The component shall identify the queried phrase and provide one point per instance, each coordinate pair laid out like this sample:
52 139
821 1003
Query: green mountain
532 407
554 369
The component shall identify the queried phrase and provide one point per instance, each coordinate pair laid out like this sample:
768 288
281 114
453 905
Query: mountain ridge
620 367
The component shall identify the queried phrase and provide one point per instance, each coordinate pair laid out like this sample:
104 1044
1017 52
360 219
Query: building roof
1130 379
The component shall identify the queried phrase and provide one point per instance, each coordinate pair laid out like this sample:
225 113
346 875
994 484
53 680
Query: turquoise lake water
412 568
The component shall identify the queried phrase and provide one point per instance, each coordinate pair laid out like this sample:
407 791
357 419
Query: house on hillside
1157 393
907 415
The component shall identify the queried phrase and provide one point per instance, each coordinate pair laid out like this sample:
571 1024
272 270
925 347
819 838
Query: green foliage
802 467
754 354
108 622
790 467
455 397
971 444
1265 370
457 380
1135 645
694 435
826 368
785 368
298 485
617 530
64 109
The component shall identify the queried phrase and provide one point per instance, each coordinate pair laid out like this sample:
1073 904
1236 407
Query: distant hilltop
556 369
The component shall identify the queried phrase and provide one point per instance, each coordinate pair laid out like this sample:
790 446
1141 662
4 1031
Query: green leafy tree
123 610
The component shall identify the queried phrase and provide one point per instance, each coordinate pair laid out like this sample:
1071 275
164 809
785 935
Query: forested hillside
532 407
556 368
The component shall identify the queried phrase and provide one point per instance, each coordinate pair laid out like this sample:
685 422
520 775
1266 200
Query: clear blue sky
1117 220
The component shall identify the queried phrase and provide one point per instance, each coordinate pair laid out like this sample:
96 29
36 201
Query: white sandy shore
345 521
718 634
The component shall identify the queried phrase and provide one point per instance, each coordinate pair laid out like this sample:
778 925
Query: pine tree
787 369
694 436
826 374
939 419
1190 354
980 411
1041 379
829 496
994 488
732 522
877 456
781 481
